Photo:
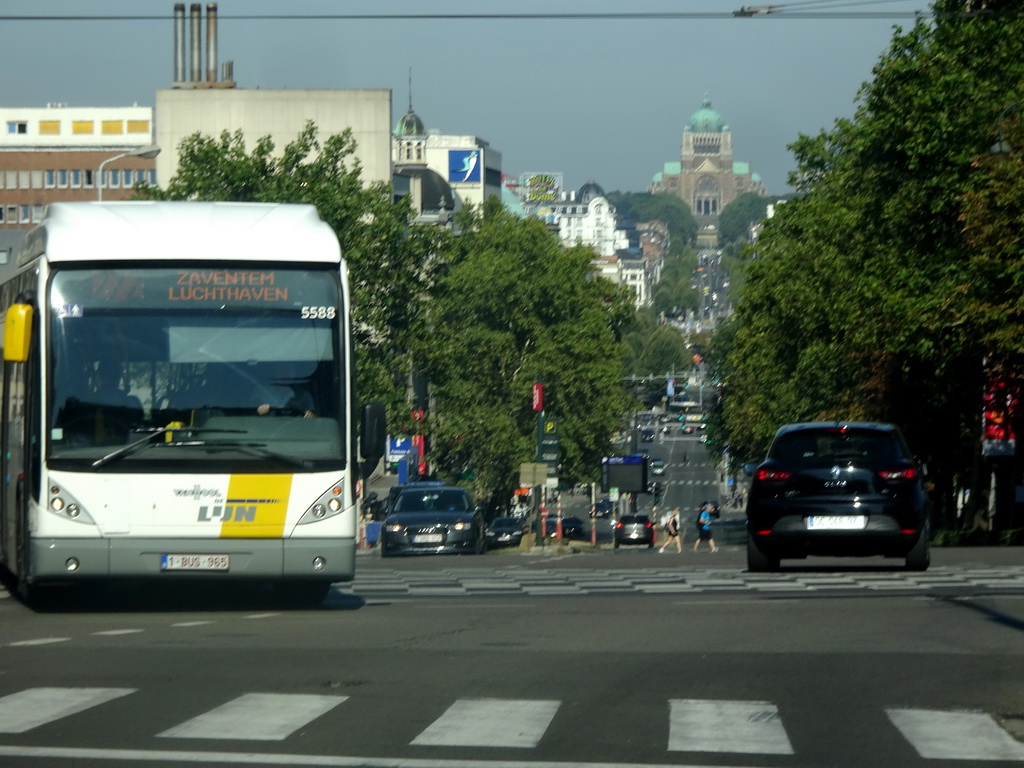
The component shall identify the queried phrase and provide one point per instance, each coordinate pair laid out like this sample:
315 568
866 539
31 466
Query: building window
3 218
80 127
37 213
12 214
37 179
50 179
88 178
24 180
109 127
25 214
49 127
152 178
76 179
138 126
62 179
113 180
17 126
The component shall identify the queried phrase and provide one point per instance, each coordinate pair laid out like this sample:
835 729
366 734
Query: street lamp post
149 151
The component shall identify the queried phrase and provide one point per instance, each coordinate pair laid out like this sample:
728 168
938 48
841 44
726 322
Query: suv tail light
772 475
898 474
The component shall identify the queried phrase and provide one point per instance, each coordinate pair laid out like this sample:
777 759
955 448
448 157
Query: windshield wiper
151 432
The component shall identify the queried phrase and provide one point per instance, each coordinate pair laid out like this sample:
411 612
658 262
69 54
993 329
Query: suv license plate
837 522
194 562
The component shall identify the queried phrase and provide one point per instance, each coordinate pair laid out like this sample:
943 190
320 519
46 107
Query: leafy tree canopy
514 308
642 206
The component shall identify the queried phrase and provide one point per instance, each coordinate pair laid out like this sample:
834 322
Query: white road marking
191 623
945 735
334 761
114 632
256 716
22 711
749 727
42 641
490 723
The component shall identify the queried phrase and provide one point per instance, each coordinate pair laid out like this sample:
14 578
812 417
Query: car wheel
919 558
758 560
386 551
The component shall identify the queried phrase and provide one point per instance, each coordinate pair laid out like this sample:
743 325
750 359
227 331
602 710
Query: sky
601 99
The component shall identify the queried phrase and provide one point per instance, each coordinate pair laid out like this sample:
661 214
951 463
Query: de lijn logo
464 165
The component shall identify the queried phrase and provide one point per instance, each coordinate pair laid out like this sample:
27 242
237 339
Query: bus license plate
194 562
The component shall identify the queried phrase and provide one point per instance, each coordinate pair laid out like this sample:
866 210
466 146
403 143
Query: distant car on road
634 529
505 532
837 488
572 527
657 466
647 435
433 519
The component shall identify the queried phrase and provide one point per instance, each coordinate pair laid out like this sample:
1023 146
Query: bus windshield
231 368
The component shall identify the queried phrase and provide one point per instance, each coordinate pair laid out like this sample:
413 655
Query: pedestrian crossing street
673 580
693 725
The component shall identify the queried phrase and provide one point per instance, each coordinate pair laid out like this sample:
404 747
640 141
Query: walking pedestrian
704 527
672 529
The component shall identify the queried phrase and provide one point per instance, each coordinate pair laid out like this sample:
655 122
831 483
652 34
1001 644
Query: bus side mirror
372 437
17 333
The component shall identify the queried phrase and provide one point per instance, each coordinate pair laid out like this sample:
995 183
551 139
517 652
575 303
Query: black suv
837 488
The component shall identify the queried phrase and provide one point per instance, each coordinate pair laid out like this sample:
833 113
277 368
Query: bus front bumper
74 559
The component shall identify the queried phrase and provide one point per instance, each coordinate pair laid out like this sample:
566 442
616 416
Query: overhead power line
617 16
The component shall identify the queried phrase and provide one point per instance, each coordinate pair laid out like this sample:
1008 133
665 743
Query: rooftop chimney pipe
179 42
195 28
211 42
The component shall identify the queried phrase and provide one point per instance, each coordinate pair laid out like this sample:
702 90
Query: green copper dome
410 125
706 120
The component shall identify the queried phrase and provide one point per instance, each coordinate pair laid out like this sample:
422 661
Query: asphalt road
523 659
561 657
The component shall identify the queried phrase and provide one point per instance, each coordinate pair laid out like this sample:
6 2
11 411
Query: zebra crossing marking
28 709
695 725
748 727
490 723
256 716
938 734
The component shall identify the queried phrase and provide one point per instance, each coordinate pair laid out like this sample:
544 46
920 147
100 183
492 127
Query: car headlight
462 525
394 528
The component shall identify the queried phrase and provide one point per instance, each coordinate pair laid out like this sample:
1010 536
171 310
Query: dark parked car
431 519
835 488
603 507
634 529
505 532
572 527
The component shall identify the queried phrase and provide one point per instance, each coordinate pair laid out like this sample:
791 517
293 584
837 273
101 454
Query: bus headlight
327 506
65 505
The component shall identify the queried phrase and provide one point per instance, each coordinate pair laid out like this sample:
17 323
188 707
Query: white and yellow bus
177 398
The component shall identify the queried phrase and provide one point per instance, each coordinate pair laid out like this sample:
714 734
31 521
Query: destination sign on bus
80 290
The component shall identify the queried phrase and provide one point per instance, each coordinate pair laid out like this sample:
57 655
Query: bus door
19 408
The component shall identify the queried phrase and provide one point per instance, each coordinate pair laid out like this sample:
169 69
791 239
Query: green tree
390 263
643 206
737 217
864 301
514 308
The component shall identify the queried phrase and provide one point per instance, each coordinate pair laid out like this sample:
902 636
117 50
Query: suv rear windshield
810 446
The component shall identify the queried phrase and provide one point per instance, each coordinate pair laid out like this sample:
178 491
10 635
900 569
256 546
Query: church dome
706 120
589 191
410 125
